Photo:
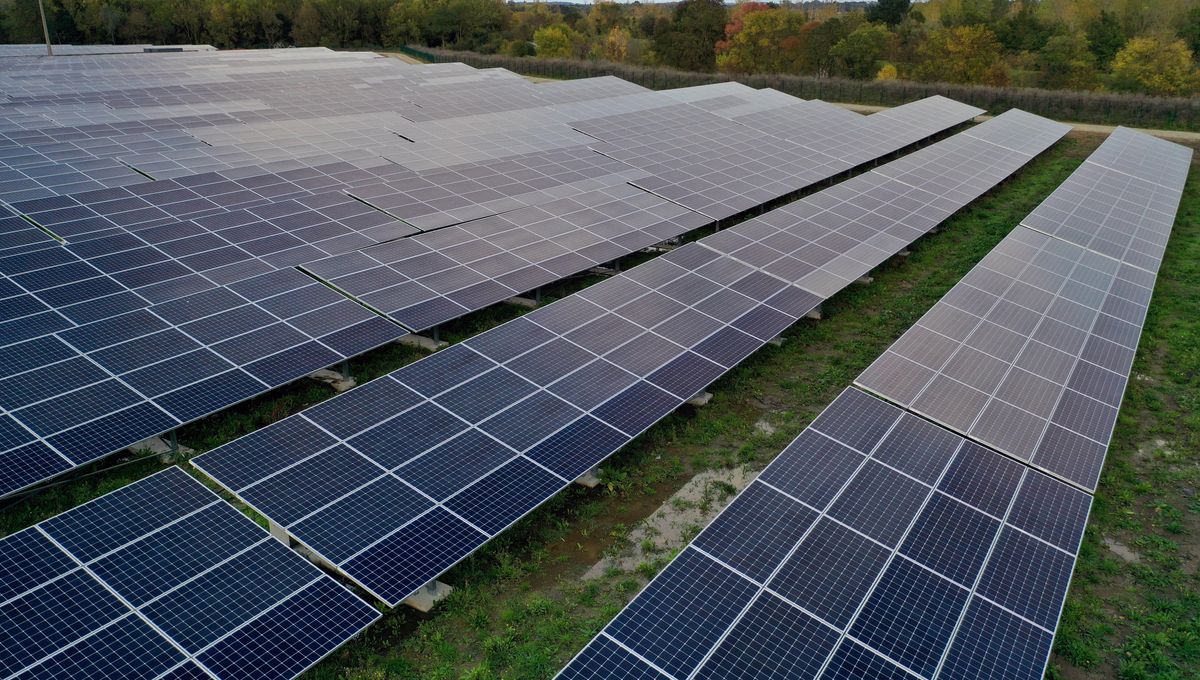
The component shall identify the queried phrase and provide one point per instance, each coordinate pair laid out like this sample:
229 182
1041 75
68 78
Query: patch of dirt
1121 550
677 521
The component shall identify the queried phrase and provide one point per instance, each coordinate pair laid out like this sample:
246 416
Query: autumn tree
1066 62
605 16
1155 67
860 52
962 54
616 44
755 37
689 43
555 42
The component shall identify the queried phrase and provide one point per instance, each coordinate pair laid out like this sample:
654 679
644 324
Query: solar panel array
157 210
163 579
429 279
879 544
1031 351
398 480
875 545
721 167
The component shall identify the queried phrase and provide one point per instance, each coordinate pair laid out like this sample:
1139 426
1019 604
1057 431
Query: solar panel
875 545
1122 201
1030 353
98 366
485 431
163 579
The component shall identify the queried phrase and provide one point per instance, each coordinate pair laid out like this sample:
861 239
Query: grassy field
520 608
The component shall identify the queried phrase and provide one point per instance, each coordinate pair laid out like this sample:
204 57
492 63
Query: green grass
520 610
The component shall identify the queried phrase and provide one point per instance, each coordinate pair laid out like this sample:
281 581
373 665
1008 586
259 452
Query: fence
1084 107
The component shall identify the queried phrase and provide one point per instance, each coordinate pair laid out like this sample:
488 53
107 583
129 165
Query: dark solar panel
162 576
823 598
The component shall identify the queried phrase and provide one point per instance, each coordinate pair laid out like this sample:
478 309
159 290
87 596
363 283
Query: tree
616 44
888 72
963 54
406 23
695 28
1025 29
555 42
1065 62
859 53
815 41
759 39
1105 37
1190 29
605 16
468 24
307 25
890 12
1154 67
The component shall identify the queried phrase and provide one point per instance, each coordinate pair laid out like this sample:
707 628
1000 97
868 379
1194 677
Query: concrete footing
700 399
864 280
338 381
430 594
777 341
589 479
422 342
904 253
815 313
528 303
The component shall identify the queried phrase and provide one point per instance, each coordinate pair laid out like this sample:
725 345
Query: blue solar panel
151 575
503 393
673 626
737 539
855 583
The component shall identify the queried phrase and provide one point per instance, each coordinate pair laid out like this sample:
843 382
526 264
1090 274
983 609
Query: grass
520 609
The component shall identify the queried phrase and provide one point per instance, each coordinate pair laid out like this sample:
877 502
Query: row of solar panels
880 545
400 479
173 299
161 578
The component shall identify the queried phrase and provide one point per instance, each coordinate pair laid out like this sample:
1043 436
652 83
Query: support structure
814 313
430 594
279 532
167 447
701 399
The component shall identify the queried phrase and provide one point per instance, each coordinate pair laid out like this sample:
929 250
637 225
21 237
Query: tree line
1117 45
